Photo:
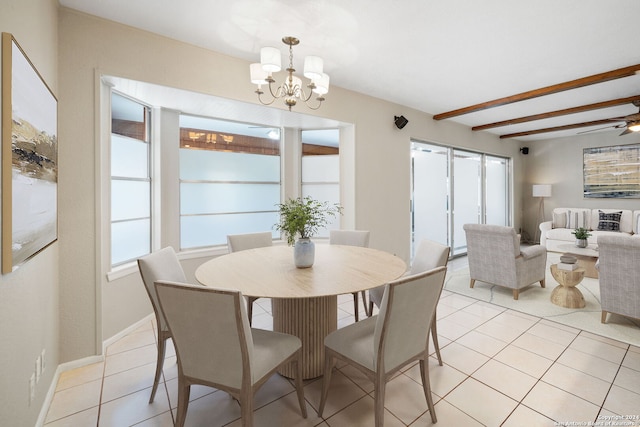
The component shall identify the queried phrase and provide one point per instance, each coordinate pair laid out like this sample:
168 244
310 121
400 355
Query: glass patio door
453 187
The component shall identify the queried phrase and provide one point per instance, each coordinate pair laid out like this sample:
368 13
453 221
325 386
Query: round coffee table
566 294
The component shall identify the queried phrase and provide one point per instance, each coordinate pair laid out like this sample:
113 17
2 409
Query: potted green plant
582 234
301 219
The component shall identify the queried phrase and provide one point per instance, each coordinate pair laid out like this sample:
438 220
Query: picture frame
29 158
612 172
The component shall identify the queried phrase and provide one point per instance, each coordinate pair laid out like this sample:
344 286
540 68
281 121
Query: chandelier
291 90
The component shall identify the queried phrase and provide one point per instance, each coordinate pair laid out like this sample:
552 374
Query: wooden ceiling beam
573 110
548 90
610 121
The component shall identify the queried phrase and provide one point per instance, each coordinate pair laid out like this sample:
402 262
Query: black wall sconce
400 121
524 150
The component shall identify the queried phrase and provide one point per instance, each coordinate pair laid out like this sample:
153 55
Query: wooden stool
566 294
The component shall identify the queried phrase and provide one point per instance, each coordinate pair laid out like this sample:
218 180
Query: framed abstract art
29 158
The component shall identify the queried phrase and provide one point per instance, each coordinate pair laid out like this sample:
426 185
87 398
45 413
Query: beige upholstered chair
381 345
160 265
352 238
495 257
217 348
429 255
619 274
242 242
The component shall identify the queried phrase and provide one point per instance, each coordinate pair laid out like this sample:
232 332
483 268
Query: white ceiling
431 55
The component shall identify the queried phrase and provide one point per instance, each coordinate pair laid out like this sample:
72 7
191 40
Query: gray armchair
619 274
495 257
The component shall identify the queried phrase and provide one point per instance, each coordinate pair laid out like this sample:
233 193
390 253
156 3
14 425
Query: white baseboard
74 364
106 343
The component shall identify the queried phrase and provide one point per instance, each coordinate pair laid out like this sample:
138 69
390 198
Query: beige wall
559 162
29 295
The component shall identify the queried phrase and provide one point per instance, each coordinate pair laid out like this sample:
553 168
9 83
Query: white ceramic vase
304 252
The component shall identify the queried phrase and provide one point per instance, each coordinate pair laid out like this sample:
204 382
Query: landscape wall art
612 172
29 159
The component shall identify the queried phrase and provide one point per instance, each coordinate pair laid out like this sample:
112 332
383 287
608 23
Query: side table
566 294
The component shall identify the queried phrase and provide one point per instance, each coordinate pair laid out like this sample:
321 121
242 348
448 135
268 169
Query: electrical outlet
32 388
38 369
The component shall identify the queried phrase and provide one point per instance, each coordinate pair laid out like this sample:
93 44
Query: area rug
536 301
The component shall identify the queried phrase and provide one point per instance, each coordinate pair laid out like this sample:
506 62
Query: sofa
600 222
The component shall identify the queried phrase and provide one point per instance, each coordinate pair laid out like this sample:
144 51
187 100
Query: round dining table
304 300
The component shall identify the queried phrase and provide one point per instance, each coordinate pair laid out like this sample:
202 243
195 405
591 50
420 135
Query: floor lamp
541 191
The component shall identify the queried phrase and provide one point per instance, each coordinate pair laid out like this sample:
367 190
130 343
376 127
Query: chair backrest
619 274
241 242
160 265
429 255
404 321
210 330
349 237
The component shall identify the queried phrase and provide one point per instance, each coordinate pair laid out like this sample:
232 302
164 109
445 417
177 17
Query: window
229 180
453 187
321 169
130 180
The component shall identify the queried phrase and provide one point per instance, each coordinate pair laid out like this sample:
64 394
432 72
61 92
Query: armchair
495 257
619 275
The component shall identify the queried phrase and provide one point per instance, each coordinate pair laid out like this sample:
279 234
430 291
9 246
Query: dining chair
429 255
381 345
242 242
160 265
352 238
217 348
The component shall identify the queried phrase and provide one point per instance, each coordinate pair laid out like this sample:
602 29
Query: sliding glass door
453 187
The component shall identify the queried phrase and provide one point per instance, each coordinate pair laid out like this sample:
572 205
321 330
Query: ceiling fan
632 122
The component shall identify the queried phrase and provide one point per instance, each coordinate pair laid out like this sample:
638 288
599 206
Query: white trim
46 405
126 331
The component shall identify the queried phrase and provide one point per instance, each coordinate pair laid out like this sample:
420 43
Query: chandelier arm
319 99
260 93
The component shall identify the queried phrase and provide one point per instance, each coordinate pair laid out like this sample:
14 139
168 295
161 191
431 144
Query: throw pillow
577 219
559 220
609 221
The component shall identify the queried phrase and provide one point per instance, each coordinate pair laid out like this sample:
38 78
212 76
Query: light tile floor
501 367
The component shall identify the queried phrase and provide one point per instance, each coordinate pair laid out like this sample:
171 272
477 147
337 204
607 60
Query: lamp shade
322 85
541 190
270 59
313 66
258 74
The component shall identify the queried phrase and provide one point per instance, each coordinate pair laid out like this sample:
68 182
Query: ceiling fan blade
626 131
593 130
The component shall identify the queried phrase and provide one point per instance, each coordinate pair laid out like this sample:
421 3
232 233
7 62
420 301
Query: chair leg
246 407
364 302
515 294
473 282
434 336
355 305
184 390
603 318
300 385
329 361
370 307
380 388
426 386
250 301
162 346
